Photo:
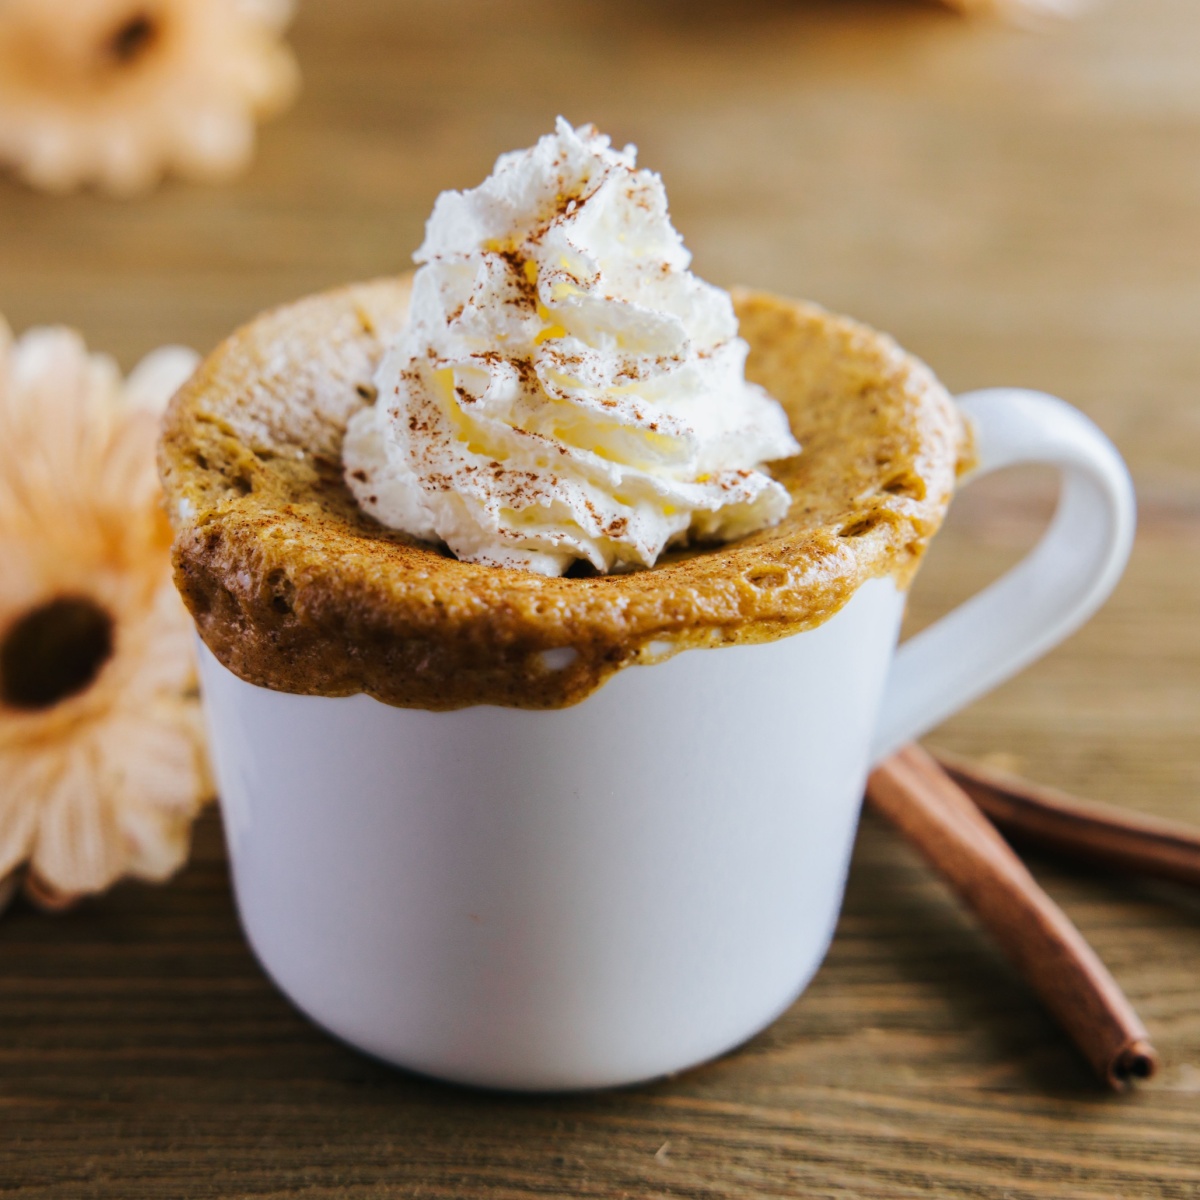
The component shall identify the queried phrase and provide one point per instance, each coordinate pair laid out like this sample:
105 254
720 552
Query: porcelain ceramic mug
610 892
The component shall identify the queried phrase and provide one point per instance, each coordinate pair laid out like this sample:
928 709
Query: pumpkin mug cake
555 471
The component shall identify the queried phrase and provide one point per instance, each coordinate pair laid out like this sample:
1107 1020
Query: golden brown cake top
292 587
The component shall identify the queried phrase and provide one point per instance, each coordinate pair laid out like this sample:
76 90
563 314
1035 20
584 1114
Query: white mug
610 892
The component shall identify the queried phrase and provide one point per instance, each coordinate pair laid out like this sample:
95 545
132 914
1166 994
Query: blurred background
1016 207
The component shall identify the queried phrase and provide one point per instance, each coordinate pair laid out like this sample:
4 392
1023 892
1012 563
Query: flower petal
159 375
215 142
23 780
152 772
274 15
78 847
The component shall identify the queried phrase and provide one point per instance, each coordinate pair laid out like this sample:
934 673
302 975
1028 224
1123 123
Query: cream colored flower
102 766
119 92
1021 11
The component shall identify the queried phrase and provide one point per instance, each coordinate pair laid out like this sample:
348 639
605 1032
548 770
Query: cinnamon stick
942 822
1099 833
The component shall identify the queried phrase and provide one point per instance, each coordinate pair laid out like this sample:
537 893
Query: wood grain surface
1016 208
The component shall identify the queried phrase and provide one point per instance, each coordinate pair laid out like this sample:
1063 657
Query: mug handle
1048 594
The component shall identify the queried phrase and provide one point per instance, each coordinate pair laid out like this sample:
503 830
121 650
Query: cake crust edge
293 588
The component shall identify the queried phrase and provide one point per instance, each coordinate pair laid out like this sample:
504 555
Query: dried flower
101 755
119 92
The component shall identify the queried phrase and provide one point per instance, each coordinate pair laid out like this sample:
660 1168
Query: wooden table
1015 208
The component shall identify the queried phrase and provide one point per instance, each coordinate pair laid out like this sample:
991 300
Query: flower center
132 39
54 651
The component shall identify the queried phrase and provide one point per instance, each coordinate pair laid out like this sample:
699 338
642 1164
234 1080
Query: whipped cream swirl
565 388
